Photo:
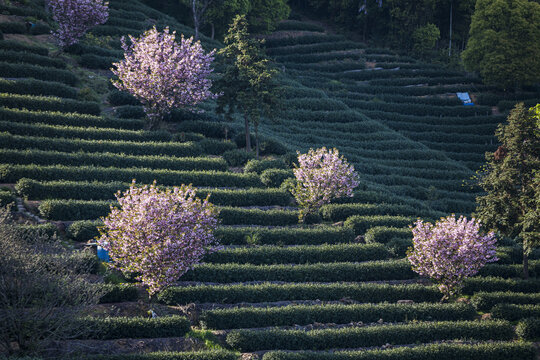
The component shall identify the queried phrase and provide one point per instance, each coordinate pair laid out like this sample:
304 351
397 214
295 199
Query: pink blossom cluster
322 175
163 74
450 251
158 234
76 17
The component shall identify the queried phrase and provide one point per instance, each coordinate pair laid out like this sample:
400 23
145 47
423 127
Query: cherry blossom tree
163 74
76 17
322 175
450 251
158 234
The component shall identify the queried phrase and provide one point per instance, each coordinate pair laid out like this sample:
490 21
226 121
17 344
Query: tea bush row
46 103
246 340
37 87
12 173
492 351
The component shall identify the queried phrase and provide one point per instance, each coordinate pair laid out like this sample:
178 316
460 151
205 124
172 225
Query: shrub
258 166
271 292
528 329
93 61
12 173
73 210
340 212
83 230
118 293
492 351
237 157
366 271
112 146
248 340
257 317
512 312
6 198
216 147
302 254
13 45
8 70
118 98
137 327
284 236
37 87
39 157
196 355
238 216
484 301
383 234
129 112
31 102
275 177
32 58
495 284
361 224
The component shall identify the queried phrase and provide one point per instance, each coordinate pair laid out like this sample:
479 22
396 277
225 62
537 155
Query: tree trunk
525 265
195 18
450 43
248 137
257 141
213 31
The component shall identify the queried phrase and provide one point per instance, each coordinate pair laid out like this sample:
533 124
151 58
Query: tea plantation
337 288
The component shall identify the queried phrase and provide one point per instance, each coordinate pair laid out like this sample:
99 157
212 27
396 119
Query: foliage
503 44
222 13
248 84
76 17
322 175
357 337
264 15
43 289
425 38
450 251
163 74
159 234
511 182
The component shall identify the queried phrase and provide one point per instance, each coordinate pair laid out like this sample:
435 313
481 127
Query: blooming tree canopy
163 74
450 251
76 17
158 234
322 175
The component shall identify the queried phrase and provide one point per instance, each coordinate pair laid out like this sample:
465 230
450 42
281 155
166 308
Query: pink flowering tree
450 251
158 234
322 175
76 17
163 74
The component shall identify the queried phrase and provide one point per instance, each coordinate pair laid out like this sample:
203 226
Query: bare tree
199 7
43 290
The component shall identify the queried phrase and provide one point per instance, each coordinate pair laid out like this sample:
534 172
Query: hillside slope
69 141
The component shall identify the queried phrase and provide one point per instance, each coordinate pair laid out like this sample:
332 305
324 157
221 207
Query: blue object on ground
102 254
464 96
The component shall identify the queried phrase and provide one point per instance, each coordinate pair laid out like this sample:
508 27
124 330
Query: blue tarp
464 96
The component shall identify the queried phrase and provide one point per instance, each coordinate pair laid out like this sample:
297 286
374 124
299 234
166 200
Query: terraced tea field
339 288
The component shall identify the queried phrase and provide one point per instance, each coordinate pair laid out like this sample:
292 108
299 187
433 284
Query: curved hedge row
39 157
32 59
284 236
12 173
9 70
360 224
256 317
513 312
48 103
267 292
195 355
68 119
13 45
37 87
248 340
366 271
484 301
303 254
136 327
186 149
491 351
